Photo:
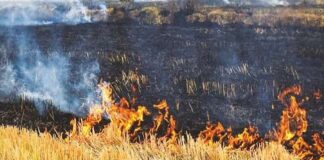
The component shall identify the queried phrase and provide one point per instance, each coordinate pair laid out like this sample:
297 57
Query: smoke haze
42 12
44 76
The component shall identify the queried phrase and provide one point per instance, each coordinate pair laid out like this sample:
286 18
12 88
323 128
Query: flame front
127 118
247 139
135 121
211 132
217 133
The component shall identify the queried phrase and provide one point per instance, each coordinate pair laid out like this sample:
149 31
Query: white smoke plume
47 77
41 12
42 76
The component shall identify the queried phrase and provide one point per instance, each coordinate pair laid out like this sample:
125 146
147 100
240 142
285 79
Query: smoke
226 1
275 2
48 77
44 76
42 12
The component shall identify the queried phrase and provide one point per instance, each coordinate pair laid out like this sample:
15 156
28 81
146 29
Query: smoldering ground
42 75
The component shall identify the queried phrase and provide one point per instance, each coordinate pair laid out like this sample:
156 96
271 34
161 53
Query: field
258 71
25 145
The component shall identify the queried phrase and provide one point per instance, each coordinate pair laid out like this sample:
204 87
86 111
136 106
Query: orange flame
125 118
163 114
163 106
171 133
94 117
294 124
318 143
246 139
129 120
96 111
293 120
301 148
211 132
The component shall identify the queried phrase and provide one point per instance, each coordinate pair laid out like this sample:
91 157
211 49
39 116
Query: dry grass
308 17
22 144
304 16
152 15
148 15
119 59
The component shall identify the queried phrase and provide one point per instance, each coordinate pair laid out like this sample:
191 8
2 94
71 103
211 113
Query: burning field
134 132
161 80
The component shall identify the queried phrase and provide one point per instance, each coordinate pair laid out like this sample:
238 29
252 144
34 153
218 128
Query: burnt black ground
24 114
173 56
